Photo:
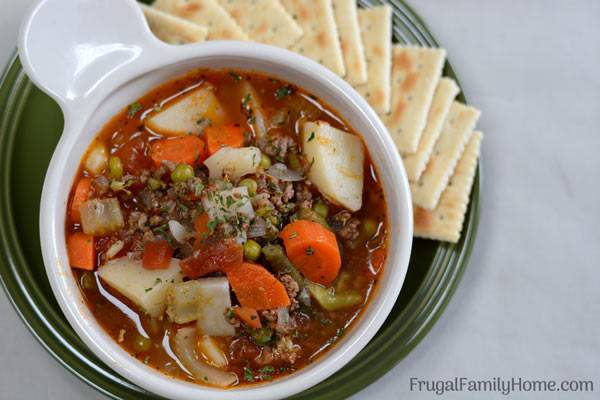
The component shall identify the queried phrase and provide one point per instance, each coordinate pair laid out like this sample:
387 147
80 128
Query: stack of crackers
434 133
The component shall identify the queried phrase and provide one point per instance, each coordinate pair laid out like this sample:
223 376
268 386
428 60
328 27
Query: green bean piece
251 185
369 227
142 344
261 336
251 250
331 300
88 282
265 161
182 173
311 215
115 168
277 258
321 209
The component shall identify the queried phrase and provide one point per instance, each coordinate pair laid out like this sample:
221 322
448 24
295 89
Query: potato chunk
337 159
96 159
188 114
236 162
101 216
147 288
203 300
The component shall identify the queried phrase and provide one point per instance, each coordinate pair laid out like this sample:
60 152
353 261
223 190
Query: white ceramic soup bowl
94 57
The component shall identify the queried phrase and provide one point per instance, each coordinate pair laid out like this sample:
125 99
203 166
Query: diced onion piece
283 318
336 159
114 249
96 159
184 346
257 228
211 352
179 232
203 300
283 173
100 217
144 287
189 113
236 162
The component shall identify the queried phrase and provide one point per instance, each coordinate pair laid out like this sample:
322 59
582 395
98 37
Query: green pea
261 336
88 282
142 344
251 185
155 184
321 209
369 227
115 167
265 161
252 250
182 173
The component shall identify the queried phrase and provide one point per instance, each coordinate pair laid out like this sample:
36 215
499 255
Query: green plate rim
381 354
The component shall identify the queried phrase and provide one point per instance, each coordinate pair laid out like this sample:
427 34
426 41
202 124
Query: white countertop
529 303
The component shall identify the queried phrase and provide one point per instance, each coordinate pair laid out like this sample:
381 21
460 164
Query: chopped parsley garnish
246 100
283 92
311 137
266 372
248 374
293 235
133 108
235 77
309 251
212 225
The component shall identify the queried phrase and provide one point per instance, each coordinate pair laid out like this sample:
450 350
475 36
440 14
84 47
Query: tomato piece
157 254
134 156
212 255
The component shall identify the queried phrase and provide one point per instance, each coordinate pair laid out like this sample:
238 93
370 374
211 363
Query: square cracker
320 40
457 130
416 72
445 93
204 12
172 29
446 221
265 21
376 33
346 18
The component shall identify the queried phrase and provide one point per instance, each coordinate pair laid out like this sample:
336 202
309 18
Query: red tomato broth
317 329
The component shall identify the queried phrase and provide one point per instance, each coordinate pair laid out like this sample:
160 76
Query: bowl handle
69 48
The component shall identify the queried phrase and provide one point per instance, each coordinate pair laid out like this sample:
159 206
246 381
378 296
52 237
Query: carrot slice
248 316
257 288
182 150
313 249
201 229
157 254
212 255
81 195
82 253
218 137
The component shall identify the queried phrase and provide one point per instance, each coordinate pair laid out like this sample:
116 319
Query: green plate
30 125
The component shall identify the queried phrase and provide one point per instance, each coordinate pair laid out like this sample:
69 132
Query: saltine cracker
445 223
